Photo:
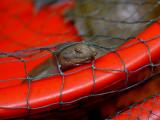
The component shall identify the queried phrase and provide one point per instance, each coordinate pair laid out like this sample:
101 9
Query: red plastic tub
18 99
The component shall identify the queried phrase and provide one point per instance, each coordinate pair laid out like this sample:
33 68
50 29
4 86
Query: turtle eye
78 50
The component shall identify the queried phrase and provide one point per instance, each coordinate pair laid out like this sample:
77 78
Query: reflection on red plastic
47 91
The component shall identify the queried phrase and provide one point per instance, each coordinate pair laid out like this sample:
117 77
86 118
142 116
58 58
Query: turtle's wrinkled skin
68 56
75 55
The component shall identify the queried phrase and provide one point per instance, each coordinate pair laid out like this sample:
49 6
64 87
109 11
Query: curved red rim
46 93
145 110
